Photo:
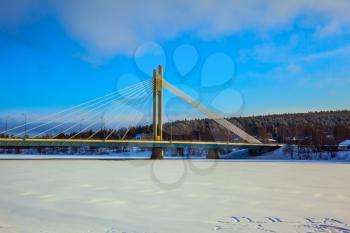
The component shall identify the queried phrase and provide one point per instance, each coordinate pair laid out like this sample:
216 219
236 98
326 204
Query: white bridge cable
130 95
108 99
105 104
133 120
114 110
142 100
214 116
73 107
134 104
80 116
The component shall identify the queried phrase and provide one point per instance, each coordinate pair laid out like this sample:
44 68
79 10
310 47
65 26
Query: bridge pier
157 153
180 152
213 154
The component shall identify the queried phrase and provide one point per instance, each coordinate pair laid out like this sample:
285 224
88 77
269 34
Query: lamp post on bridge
7 122
103 126
25 125
81 127
171 131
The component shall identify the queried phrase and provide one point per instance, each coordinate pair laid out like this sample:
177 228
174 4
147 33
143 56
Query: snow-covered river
96 196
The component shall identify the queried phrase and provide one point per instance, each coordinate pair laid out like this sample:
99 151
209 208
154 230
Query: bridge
132 95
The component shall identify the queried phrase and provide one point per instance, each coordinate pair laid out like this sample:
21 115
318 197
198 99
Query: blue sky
238 57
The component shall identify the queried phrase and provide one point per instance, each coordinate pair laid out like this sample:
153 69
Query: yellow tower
157 152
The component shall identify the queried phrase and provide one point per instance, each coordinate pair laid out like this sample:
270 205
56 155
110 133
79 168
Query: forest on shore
306 135
316 128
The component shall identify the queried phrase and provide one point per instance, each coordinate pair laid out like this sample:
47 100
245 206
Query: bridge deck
18 142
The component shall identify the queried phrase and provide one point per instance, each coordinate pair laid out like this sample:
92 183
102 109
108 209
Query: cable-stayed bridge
58 130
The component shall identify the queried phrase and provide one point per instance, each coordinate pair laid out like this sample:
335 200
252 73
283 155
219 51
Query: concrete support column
157 153
180 152
213 154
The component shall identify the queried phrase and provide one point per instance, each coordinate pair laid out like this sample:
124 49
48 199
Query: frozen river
86 196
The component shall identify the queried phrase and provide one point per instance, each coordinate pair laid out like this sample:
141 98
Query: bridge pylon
158 152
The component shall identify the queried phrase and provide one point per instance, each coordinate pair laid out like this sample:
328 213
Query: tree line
316 128
312 128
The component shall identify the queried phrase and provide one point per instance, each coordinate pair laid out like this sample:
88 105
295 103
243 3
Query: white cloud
294 68
338 52
110 27
17 12
329 29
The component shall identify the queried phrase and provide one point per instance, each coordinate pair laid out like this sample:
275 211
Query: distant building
142 136
344 145
271 140
236 139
